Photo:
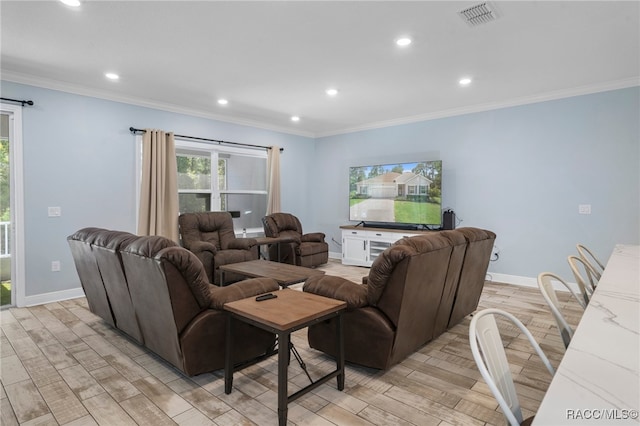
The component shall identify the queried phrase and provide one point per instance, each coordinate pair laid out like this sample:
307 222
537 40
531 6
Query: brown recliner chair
181 314
307 250
211 238
399 308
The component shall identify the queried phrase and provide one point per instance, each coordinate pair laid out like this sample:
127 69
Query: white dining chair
588 256
545 283
584 275
491 359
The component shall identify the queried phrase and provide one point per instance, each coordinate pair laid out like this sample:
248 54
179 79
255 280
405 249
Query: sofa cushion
212 227
338 288
284 222
240 290
149 246
226 257
86 235
386 262
309 249
84 258
185 262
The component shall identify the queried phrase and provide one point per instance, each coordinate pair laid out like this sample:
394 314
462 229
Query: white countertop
598 380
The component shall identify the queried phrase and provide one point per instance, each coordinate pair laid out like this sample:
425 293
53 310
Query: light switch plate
55 211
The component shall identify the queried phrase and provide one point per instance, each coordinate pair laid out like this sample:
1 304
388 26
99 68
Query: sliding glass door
5 211
12 291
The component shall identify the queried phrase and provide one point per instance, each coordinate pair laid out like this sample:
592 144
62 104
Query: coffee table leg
283 359
228 361
340 357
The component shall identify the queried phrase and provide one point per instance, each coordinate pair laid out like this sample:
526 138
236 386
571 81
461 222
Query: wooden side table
268 241
292 310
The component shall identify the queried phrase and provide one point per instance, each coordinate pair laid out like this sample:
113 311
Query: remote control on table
265 297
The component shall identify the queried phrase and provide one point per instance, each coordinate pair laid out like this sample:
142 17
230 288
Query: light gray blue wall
80 155
521 172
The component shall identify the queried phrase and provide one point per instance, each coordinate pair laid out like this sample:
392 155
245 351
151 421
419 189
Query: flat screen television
404 195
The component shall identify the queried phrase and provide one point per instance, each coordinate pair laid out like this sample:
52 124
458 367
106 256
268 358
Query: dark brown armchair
211 238
307 250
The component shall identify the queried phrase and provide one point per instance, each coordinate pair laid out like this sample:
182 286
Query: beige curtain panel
159 189
273 187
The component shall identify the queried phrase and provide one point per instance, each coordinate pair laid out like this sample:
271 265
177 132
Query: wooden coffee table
291 310
283 273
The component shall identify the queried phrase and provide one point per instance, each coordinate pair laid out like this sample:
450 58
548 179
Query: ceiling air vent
479 14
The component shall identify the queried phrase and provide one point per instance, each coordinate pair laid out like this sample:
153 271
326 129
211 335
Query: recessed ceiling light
404 41
72 3
295 118
465 81
223 101
332 92
112 76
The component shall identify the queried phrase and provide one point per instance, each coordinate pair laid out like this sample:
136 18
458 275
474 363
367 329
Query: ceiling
275 59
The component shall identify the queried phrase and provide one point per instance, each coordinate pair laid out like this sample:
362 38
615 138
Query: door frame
18 270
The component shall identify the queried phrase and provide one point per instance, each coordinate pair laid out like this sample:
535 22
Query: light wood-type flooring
60 364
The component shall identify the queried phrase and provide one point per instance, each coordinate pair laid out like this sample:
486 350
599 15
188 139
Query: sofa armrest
241 290
202 246
338 288
242 243
314 237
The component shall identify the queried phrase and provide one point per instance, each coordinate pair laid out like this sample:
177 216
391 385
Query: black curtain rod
17 101
134 130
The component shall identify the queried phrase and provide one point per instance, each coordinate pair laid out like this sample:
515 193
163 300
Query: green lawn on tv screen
418 213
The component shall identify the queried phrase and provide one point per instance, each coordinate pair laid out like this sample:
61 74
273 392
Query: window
238 184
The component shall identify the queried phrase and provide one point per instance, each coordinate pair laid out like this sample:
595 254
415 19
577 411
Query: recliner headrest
149 246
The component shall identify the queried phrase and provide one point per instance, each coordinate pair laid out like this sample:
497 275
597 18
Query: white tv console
361 245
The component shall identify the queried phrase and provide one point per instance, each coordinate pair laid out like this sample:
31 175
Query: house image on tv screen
392 185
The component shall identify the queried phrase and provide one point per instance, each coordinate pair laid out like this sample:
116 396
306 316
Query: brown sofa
307 250
408 298
158 293
210 236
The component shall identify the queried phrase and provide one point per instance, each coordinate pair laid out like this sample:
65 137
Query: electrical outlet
584 208
55 266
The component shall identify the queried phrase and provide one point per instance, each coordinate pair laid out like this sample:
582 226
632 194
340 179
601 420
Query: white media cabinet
361 245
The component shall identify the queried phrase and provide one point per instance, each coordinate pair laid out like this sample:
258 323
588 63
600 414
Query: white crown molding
110 96
543 97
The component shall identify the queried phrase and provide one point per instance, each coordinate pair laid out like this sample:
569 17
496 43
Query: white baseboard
501 278
527 281
54 296
512 279
335 255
